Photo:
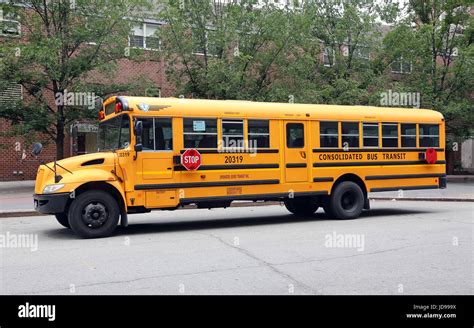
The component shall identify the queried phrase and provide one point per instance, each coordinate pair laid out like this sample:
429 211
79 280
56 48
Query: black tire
301 206
63 219
347 201
94 214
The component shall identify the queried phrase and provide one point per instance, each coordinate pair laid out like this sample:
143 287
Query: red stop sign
191 159
431 156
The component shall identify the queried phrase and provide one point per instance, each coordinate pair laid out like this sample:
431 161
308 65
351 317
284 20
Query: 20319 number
233 159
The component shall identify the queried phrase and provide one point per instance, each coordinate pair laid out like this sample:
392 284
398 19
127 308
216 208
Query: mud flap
124 219
366 203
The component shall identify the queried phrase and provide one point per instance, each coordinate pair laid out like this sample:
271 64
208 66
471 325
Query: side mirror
36 149
138 128
98 103
138 147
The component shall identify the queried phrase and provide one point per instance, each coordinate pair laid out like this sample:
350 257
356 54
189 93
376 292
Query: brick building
16 163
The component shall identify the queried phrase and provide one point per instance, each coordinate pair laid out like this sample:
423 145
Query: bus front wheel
62 219
346 201
94 214
301 206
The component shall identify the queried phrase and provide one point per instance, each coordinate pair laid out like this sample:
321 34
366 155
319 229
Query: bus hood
79 167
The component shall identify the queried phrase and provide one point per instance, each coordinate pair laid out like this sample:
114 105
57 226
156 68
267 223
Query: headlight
52 188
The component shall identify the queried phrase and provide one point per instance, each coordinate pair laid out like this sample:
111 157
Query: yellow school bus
307 156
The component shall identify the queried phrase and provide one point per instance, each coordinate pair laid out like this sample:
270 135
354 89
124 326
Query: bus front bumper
51 203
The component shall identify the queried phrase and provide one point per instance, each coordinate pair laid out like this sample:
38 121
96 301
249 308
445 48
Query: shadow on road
231 222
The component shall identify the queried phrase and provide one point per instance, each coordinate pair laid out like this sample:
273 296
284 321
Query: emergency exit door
296 151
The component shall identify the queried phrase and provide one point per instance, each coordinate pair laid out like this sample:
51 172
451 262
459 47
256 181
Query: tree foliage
63 42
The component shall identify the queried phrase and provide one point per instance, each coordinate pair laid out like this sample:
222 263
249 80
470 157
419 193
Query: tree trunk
60 141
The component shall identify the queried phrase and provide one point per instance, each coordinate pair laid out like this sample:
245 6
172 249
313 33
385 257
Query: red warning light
431 156
118 107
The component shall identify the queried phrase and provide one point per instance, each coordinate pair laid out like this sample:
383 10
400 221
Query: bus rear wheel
62 219
346 201
94 214
301 206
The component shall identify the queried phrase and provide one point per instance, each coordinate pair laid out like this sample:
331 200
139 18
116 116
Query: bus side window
370 134
429 135
389 135
163 134
258 134
232 133
350 134
328 134
200 132
294 135
124 132
147 139
408 134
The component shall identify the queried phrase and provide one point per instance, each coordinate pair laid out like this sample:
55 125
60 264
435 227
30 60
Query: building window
362 53
10 27
371 134
328 134
408 134
200 132
429 135
259 133
204 43
10 92
144 36
233 133
389 135
294 135
401 66
328 57
350 134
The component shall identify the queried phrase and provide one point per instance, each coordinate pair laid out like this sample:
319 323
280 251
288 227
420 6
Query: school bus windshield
114 133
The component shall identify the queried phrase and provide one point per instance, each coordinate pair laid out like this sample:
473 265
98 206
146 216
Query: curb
424 199
15 214
460 178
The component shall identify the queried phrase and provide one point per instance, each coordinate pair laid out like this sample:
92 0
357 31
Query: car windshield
114 133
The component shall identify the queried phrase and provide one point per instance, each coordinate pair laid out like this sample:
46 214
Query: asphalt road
396 248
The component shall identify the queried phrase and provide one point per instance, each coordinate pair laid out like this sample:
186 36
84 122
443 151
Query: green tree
64 42
221 50
337 58
437 38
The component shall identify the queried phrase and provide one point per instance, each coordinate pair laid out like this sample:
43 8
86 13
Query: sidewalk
16 196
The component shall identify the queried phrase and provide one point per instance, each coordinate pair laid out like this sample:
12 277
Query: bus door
296 151
155 161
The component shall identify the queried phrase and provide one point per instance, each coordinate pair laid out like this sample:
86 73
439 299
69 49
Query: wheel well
351 177
101 185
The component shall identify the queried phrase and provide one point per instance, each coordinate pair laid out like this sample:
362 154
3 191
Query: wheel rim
348 200
95 214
